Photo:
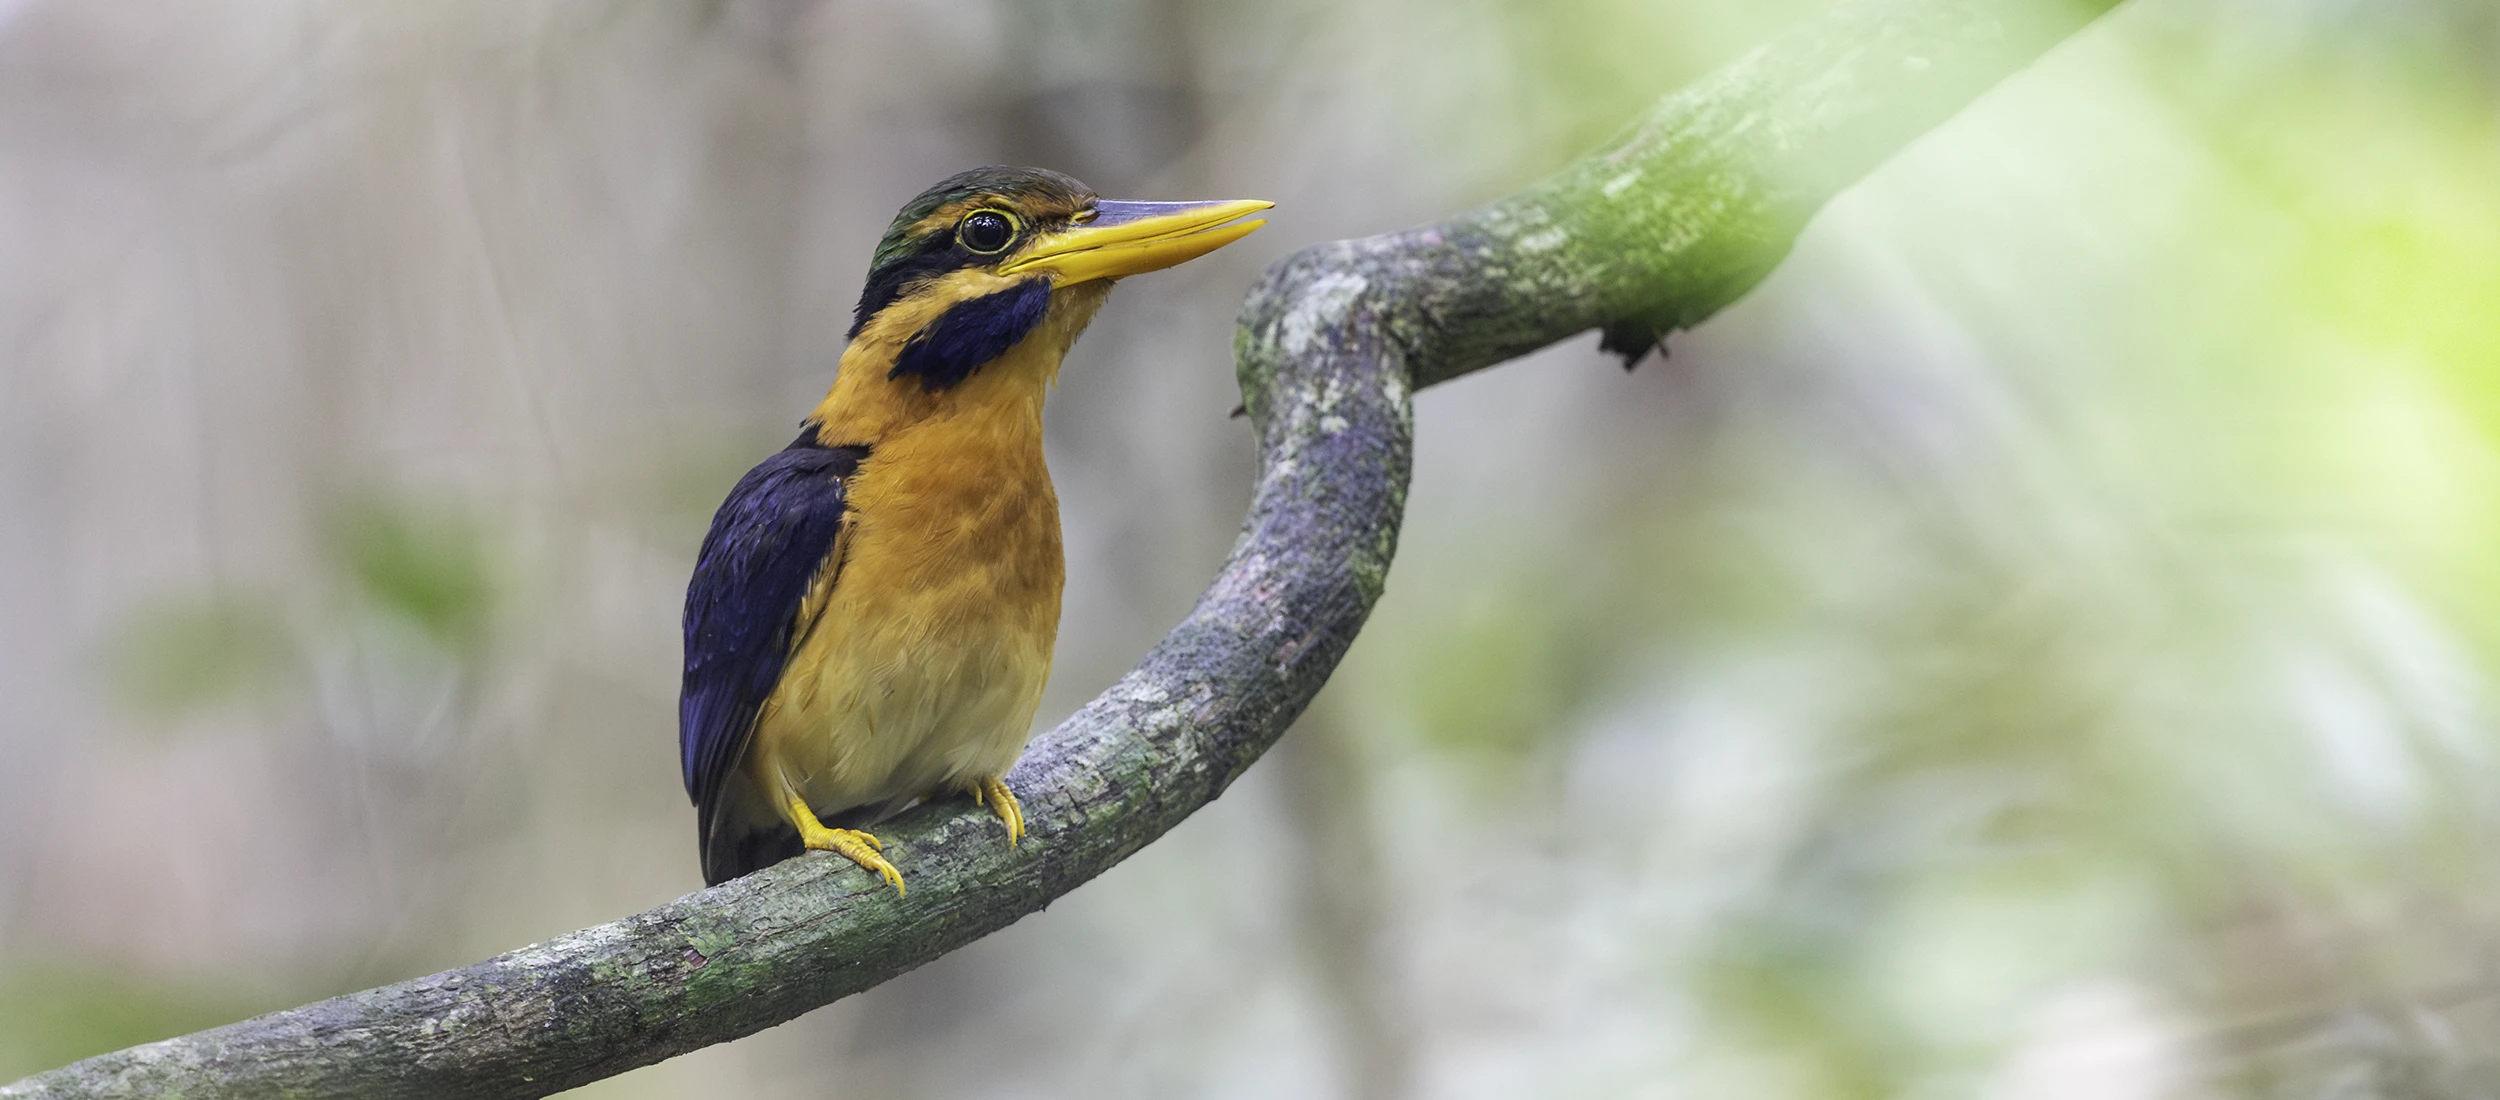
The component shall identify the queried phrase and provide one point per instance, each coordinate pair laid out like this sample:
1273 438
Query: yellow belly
922 670
872 712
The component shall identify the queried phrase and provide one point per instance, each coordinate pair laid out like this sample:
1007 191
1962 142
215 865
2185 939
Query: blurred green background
2043 643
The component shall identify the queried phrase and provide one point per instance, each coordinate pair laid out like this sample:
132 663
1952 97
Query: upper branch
1681 214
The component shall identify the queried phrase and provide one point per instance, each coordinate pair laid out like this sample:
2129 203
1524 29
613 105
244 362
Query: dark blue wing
767 542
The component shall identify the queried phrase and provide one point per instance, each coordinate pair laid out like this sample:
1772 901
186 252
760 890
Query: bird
873 610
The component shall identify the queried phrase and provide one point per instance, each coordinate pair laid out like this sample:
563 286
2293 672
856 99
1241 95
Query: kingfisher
872 614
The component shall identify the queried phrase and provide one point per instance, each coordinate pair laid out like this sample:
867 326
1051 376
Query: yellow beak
1132 238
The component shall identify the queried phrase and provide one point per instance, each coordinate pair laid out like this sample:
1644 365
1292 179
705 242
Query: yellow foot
994 794
858 847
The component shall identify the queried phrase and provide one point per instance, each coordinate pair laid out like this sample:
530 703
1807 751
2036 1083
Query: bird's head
986 258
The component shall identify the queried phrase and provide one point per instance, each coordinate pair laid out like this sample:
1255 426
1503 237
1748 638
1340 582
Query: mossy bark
1677 217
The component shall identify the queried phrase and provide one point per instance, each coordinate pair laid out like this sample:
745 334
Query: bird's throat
870 404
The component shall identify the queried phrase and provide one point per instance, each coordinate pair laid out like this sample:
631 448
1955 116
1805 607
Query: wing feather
769 543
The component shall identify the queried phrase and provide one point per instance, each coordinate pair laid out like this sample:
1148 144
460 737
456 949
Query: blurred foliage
2116 633
187 655
418 582
1500 668
427 563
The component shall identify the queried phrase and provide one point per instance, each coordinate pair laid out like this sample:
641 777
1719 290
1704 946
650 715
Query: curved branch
1676 218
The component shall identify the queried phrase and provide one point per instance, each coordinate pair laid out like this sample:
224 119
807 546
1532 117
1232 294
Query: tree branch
1681 214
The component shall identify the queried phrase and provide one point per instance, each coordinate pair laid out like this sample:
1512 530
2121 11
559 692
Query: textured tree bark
1681 214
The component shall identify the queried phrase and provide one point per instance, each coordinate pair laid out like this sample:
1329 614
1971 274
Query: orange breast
924 666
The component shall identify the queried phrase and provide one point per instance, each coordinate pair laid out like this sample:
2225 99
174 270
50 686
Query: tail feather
740 851
741 834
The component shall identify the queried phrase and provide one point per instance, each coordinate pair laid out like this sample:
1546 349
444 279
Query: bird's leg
993 793
858 847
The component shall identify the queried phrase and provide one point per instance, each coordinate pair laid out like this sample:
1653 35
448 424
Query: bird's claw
852 844
994 794
860 848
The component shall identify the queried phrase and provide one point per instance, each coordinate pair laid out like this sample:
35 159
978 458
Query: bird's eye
986 231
